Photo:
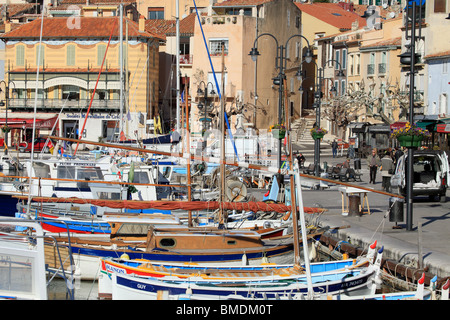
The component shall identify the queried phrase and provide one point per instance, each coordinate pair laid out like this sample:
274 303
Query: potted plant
278 131
410 136
5 128
318 133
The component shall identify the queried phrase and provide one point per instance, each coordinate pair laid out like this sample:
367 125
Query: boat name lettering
115 269
84 164
141 286
351 284
246 309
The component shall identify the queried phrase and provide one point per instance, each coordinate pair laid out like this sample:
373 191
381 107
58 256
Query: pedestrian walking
373 162
387 170
334 147
397 154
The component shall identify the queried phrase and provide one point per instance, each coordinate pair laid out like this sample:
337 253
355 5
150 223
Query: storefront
21 129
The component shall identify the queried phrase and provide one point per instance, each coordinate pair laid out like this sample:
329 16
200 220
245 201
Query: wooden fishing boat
137 287
146 268
421 293
172 244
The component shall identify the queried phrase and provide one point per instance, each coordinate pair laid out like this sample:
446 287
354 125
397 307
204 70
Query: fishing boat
269 287
174 244
55 220
146 268
22 262
421 293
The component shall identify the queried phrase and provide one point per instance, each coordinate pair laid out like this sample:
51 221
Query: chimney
7 26
141 23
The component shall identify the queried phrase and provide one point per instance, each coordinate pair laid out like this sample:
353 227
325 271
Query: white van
431 174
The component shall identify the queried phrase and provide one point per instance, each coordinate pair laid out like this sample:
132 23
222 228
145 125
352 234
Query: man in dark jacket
373 162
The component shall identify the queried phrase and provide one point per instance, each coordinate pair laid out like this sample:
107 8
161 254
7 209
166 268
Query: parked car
430 177
39 145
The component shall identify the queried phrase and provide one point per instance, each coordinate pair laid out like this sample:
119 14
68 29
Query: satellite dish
384 5
391 15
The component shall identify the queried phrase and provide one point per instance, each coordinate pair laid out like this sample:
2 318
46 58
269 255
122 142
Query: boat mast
121 67
177 76
222 142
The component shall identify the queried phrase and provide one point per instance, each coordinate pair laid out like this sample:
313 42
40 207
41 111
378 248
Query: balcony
48 105
370 69
186 59
382 68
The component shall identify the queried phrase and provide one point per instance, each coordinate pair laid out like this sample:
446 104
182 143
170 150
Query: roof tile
90 27
332 13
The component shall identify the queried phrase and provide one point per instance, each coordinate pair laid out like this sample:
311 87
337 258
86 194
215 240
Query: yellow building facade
70 59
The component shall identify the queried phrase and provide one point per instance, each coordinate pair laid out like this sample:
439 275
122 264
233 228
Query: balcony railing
186 59
69 105
370 69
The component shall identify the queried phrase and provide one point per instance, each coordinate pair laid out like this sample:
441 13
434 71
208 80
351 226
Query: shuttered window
70 55
20 55
40 55
101 49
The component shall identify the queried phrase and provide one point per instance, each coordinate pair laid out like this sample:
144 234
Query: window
439 6
101 50
337 54
357 64
155 13
344 59
70 57
343 88
219 82
382 64
236 11
124 53
215 47
350 64
40 55
20 55
336 86
70 92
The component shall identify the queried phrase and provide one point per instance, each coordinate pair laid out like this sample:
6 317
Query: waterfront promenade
399 244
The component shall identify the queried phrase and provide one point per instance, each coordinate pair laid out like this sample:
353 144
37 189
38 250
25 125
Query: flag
182 96
129 116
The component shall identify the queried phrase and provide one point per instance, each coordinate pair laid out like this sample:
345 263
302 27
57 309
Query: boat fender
244 260
125 256
189 290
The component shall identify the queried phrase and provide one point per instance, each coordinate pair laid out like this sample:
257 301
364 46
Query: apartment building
70 62
251 90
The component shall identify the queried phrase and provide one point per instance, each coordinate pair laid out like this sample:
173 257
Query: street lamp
317 104
280 64
410 58
205 103
5 104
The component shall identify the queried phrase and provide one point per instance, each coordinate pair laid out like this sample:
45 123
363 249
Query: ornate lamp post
5 104
318 94
204 106
280 64
410 58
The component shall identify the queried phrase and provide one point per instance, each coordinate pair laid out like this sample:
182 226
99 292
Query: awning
443 127
358 126
426 124
17 123
380 129
397 125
